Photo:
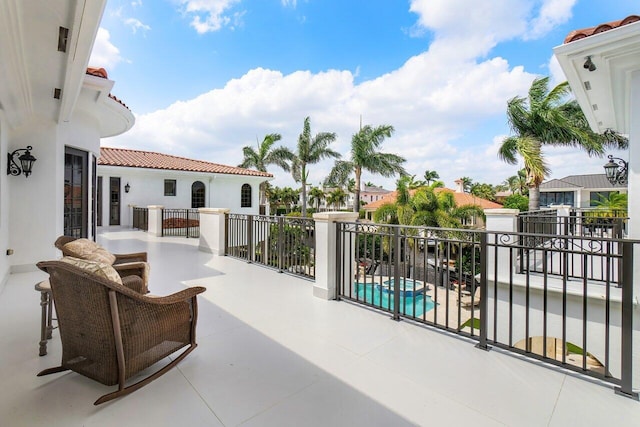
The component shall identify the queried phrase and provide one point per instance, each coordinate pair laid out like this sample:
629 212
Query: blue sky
207 77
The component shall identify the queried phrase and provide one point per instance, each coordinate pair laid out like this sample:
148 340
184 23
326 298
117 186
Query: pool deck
272 354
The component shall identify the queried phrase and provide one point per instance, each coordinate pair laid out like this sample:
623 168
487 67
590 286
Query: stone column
325 286
155 220
212 230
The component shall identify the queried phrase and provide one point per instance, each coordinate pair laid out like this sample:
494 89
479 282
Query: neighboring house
52 103
460 197
579 191
372 194
128 178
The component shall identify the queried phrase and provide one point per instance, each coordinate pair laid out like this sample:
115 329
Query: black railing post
396 273
226 234
484 304
339 258
162 222
187 224
249 238
280 244
626 385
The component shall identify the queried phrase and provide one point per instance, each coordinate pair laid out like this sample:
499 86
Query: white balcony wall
147 188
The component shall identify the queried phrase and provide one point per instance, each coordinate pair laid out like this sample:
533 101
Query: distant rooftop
151 160
580 181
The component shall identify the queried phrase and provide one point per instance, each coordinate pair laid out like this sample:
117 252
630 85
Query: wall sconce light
26 162
127 188
589 65
616 172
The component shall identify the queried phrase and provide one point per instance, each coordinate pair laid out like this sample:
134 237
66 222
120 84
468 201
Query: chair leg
123 391
52 371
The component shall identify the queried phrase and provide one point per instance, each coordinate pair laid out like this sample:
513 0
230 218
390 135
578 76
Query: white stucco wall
4 206
147 188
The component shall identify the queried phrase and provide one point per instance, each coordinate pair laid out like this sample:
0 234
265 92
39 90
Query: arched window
245 196
197 195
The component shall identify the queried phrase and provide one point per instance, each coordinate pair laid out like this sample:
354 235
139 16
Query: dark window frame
175 187
245 196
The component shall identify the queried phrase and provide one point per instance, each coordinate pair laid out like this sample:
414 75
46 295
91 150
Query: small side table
46 325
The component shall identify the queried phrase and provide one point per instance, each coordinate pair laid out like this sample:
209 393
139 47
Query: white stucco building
128 178
50 101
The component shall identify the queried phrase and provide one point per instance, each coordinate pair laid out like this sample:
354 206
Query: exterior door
99 202
114 201
197 194
76 201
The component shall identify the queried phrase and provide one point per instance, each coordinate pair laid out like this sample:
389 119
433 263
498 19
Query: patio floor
270 354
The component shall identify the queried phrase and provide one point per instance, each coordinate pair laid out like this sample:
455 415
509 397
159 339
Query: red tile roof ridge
461 199
586 32
125 157
102 73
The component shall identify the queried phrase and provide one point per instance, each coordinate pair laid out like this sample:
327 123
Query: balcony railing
579 229
181 222
467 282
284 243
140 218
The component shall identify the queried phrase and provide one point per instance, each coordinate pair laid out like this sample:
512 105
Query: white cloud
136 25
291 3
136 3
208 15
104 53
438 101
552 13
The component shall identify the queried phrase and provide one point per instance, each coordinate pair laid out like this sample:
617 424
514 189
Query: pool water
414 305
408 287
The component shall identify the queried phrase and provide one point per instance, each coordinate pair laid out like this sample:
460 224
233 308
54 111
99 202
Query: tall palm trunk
534 198
356 202
304 190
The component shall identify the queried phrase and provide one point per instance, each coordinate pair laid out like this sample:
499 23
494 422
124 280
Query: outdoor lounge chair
467 301
133 264
109 332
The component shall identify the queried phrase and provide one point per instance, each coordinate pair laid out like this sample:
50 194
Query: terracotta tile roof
151 160
586 32
461 200
102 73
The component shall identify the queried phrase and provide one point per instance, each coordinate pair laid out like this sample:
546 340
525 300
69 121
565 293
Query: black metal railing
284 243
467 282
140 218
181 222
546 229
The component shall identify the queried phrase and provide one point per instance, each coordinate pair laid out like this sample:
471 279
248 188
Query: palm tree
430 176
337 198
310 150
365 156
266 155
467 184
416 183
547 117
316 195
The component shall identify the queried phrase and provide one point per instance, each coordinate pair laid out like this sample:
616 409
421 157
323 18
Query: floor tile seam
557 400
195 389
284 399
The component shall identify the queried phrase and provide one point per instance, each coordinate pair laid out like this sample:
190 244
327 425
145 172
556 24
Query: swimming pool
414 305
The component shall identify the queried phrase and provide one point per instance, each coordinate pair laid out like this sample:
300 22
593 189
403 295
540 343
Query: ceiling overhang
604 92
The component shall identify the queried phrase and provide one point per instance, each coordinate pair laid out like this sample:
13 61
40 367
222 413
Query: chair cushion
89 250
100 269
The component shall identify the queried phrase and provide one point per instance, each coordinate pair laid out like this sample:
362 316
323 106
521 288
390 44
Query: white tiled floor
270 354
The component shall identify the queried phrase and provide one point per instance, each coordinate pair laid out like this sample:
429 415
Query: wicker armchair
110 333
133 264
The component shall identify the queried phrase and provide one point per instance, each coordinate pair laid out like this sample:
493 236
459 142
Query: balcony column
326 268
500 221
212 230
155 220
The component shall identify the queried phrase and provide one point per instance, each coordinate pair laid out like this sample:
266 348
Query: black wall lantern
26 162
616 171
127 188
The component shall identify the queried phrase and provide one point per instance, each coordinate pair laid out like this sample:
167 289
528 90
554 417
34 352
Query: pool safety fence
283 243
469 282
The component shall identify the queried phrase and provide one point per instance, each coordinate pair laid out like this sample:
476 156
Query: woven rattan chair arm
134 283
129 267
133 257
180 296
